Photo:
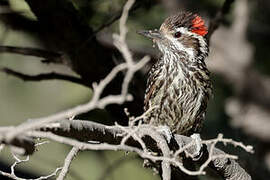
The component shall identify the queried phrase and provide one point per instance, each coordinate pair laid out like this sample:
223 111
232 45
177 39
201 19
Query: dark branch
216 21
108 23
115 18
17 21
52 56
25 144
87 131
45 76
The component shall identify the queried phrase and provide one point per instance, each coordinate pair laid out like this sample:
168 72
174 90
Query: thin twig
50 175
73 152
225 141
17 161
93 103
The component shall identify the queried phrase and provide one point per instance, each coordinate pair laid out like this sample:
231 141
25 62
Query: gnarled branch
101 137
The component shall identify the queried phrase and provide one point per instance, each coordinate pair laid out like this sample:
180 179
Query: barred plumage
179 83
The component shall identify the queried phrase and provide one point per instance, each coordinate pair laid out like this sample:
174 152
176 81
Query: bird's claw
198 146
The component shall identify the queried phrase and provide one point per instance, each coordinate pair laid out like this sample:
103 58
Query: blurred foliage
22 7
259 34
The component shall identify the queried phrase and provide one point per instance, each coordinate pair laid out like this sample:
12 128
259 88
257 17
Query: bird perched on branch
179 85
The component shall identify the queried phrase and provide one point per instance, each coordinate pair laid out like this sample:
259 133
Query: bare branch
51 56
230 141
50 175
18 161
120 40
95 102
215 156
64 130
40 178
26 144
73 152
44 76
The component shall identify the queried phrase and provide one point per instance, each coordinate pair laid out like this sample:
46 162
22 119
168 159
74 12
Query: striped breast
181 97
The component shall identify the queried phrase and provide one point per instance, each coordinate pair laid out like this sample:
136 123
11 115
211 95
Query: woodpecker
179 84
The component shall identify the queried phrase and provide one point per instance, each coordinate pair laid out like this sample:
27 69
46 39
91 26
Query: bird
179 84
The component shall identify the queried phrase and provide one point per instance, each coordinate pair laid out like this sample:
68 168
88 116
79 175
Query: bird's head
182 33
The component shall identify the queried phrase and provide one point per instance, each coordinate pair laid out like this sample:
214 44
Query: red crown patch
198 26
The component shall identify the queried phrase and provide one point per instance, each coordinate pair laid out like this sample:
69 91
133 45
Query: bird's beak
152 34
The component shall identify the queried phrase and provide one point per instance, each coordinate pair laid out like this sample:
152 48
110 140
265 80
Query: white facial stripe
181 47
202 42
182 30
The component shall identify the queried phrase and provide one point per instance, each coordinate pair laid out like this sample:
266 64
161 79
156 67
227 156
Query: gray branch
95 133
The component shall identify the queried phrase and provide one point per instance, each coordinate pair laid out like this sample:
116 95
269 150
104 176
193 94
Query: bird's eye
177 35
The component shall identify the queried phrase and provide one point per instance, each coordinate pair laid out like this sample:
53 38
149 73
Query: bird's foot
198 146
165 131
